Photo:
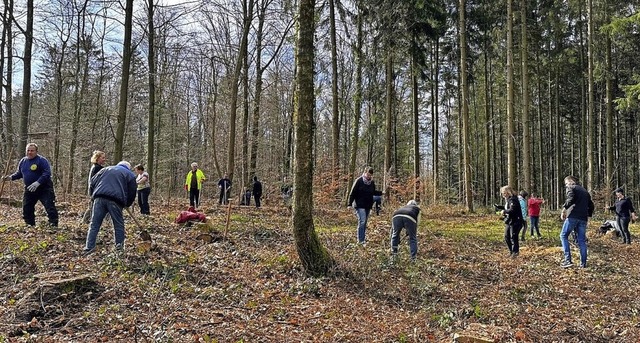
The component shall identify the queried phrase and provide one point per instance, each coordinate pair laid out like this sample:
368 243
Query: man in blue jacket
35 171
577 209
111 189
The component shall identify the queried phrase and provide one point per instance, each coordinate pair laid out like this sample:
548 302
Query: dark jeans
511 232
143 200
397 224
194 197
47 197
623 224
257 199
535 224
224 197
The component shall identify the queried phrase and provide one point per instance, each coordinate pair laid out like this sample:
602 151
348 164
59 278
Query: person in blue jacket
112 189
35 171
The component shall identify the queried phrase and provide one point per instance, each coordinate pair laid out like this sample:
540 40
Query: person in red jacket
533 204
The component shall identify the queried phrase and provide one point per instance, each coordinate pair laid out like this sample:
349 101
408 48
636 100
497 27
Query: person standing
576 211
144 189
224 185
522 198
534 213
624 213
35 172
98 159
406 217
257 191
193 184
512 216
361 199
112 189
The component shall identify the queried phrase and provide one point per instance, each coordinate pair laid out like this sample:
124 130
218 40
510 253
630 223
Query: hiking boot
514 254
566 264
583 265
87 252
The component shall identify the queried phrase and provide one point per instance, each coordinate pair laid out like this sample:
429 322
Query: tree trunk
526 123
435 123
26 80
7 45
248 16
153 69
590 182
314 257
127 52
357 98
464 98
416 125
388 122
609 116
335 115
511 129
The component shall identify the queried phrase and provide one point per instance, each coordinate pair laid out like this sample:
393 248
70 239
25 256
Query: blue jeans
362 214
101 207
397 224
580 226
535 224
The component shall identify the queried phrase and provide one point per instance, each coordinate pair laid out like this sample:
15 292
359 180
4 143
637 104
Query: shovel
144 234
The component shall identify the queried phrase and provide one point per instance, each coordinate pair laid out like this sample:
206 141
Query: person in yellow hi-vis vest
193 184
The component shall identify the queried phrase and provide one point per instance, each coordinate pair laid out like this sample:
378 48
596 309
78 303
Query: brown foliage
250 286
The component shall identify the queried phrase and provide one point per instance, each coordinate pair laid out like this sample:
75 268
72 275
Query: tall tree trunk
26 80
488 186
388 122
464 98
526 123
511 129
127 53
609 115
416 125
591 105
357 98
153 69
245 122
248 17
7 45
335 115
435 123
314 257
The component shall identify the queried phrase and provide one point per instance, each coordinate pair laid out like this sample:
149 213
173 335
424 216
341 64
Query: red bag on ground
190 215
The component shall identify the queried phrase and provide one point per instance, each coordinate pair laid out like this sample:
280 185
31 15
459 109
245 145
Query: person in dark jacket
257 191
624 213
361 199
112 189
512 216
224 185
35 172
576 211
406 217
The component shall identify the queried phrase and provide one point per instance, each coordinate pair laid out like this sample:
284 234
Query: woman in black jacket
624 213
361 198
512 216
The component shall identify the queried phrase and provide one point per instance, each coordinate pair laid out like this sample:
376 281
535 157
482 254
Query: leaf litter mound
211 283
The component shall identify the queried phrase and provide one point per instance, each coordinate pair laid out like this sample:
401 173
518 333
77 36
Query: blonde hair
507 189
97 154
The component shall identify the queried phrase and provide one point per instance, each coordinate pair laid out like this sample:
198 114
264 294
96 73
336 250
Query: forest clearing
247 284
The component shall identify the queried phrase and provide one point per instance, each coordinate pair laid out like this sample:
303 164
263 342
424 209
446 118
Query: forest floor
249 286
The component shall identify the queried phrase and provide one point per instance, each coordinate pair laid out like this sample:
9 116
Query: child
534 213
522 198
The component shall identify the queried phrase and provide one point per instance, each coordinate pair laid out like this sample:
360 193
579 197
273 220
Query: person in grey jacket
112 189
406 217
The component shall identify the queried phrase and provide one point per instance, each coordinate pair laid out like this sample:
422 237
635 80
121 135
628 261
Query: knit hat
125 164
194 164
412 203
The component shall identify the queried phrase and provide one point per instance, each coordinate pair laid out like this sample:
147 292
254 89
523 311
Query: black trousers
623 224
194 197
511 232
47 196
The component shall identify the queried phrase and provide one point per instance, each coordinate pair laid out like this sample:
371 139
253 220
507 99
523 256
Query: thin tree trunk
127 52
357 99
591 106
26 79
151 62
335 115
526 139
464 98
511 129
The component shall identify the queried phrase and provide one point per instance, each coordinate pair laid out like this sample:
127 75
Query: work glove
32 187
185 187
